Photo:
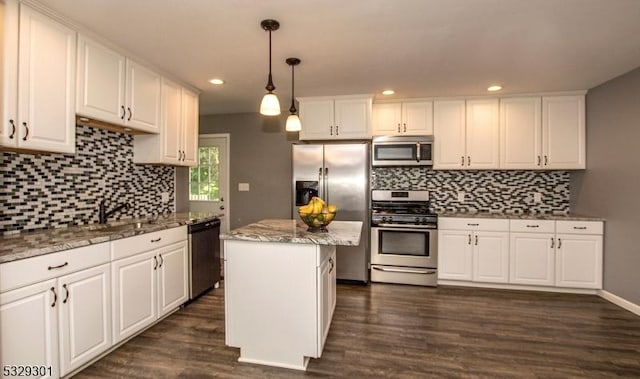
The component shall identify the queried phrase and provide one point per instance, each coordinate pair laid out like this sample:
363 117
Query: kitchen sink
132 226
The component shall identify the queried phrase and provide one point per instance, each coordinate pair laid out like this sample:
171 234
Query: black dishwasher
204 256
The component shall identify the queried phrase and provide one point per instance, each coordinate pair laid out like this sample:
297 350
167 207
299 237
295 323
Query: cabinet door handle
155 262
55 296
156 240
468 160
546 160
123 112
130 113
161 260
332 264
330 130
469 241
26 130
66 290
538 161
13 129
405 127
462 161
58 266
476 240
552 242
559 243
337 130
398 128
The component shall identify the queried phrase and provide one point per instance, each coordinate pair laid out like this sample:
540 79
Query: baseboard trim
622 303
521 287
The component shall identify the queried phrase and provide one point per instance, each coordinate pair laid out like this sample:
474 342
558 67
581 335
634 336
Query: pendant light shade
293 121
270 106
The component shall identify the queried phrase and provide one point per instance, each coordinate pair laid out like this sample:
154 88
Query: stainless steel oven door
404 246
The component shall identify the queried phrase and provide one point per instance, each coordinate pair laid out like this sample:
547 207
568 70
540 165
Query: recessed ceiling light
216 81
494 88
388 92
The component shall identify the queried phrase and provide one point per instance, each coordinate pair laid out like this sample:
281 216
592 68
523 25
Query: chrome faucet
103 214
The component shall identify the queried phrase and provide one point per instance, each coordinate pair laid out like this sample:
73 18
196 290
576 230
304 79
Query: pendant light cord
270 87
293 109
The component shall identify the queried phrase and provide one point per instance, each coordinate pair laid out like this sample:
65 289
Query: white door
171 117
101 76
317 119
387 119
449 135
142 98
352 119
324 303
209 181
28 331
173 282
563 132
491 257
455 254
190 122
134 294
520 133
9 15
85 316
483 134
417 118
579 261
531 258
46 84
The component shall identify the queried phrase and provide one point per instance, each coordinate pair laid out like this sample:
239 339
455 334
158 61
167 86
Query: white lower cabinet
149 281
532 258
579 261
473 249
55 309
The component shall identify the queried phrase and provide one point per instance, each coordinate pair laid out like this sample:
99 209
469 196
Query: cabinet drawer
579 227
127 247
487 224
532 226
20 273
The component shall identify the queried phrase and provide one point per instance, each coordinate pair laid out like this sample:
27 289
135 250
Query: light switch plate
461 196
243 187
164 197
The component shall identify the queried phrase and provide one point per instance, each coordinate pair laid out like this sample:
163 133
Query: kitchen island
280 289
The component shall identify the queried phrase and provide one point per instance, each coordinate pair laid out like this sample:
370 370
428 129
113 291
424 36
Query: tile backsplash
52 190
485 191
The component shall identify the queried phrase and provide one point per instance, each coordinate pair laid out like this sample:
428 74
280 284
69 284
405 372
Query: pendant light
293 121
270 105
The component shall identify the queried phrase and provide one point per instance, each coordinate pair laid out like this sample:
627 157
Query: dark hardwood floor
393 331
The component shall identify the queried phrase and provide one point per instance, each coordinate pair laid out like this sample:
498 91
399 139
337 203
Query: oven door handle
407 226
405 270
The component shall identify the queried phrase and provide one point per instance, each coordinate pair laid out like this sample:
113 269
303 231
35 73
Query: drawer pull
473 224
156 240
66 290
533 226
580 227
55 296
58 266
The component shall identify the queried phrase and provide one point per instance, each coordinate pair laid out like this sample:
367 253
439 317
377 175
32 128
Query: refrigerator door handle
326 185
320 183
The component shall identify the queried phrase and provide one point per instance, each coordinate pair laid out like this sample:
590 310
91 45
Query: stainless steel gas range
404 238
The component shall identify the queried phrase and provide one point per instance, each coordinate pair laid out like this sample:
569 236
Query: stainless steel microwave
402 151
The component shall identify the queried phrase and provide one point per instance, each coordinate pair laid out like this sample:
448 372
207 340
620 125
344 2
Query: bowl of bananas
317 215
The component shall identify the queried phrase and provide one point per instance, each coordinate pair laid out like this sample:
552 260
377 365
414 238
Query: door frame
226 193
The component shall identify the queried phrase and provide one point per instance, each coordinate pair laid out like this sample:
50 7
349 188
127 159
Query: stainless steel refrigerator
339 174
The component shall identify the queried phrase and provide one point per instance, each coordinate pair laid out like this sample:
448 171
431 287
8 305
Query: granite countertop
523 216
34 243
344 233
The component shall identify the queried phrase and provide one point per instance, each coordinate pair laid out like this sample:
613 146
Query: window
204 180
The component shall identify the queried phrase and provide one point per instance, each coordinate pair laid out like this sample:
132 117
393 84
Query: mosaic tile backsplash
53 190
485 191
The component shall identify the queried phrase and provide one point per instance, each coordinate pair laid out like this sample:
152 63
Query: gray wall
610 187
260 156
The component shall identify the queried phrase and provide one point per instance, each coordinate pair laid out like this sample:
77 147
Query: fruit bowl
317 222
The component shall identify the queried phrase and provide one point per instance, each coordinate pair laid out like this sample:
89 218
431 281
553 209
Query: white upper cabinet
542 133
563 132
177 143
483 134
520 133
340 117
406 118
115 89
38 81
449 134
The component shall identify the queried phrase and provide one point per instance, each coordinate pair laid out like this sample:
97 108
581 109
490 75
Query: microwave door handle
418 152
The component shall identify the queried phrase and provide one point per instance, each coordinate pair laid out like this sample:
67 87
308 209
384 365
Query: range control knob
384 219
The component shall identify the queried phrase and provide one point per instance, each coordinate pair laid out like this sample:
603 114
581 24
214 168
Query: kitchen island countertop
344 233
33 243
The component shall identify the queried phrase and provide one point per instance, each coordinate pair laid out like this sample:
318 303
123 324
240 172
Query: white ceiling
420 48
